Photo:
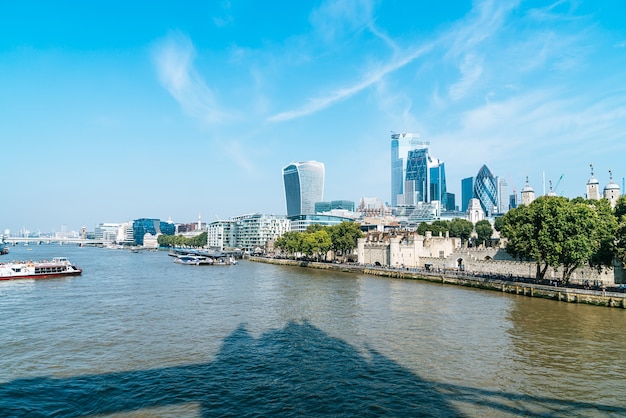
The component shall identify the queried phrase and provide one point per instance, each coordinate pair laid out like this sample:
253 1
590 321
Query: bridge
52 240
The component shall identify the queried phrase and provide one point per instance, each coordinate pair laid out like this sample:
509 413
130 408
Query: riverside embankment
562 294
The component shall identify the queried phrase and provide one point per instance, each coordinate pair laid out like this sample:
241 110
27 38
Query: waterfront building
486 191
144 226
474 211
304 186
401 145
403 249
593 186
528 194
251 232
612 191
109 232
220 234
467 192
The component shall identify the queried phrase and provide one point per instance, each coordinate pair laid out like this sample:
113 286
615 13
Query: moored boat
57 267
193 260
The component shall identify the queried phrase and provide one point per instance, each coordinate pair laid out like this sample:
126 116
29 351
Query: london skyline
109 110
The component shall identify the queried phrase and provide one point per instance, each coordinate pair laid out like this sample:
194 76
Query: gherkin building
486 190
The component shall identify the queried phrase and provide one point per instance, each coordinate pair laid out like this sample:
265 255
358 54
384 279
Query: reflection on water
137 332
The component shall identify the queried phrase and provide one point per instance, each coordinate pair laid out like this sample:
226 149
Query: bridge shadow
295 371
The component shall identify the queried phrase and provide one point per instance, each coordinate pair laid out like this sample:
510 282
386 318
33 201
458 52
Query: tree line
566 234
198 241
459 228
318 240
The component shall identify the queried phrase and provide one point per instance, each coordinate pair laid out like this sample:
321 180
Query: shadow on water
295 371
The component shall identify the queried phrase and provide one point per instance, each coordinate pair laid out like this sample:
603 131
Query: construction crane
557 183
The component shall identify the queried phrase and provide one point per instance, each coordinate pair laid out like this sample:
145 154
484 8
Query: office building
467 192
416 176
321 207
154 227
401 145
503 194
304 186
486 191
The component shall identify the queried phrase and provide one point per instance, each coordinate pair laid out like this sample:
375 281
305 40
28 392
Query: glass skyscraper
304 186
486 191
401 145
467 192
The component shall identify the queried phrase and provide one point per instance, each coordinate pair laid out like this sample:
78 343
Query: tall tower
467 192
401 144
611 191
304 186
486 191
593 187
528 194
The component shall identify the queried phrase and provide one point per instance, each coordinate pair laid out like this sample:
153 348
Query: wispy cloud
471 70
174 57
320 103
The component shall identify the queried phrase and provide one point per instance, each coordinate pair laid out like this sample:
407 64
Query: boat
57 267
196 260
193 260
3 248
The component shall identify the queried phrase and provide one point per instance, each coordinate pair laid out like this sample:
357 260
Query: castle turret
593 187
528 194
612 191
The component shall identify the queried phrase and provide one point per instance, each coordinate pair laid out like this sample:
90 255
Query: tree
344 237
484 231
498 223
620 235
535 231
461 228
555 232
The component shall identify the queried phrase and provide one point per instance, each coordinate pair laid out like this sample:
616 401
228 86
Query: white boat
57 267
193 260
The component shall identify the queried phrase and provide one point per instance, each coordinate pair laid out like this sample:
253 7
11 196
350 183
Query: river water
138 335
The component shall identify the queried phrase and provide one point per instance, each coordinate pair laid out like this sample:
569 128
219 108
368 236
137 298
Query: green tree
344 237
620 235
461 228
535 231
555 232
498 223
484 231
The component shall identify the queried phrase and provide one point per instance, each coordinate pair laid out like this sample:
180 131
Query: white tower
612 191
528 194
593 187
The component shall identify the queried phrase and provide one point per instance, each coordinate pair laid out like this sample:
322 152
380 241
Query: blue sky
112 111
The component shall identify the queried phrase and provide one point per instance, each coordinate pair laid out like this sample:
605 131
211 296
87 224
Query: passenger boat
59 266
193 260
196 260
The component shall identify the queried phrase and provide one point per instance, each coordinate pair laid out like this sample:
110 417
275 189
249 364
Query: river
138 335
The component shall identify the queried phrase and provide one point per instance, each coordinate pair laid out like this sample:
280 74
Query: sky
113 111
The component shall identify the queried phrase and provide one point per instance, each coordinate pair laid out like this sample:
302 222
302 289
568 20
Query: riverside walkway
613 299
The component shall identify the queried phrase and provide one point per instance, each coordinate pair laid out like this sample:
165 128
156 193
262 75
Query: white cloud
174 57
321 103
471 70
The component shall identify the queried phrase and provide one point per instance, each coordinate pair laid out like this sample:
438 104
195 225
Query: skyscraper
503 194
467 192
401 144
304 186
486 191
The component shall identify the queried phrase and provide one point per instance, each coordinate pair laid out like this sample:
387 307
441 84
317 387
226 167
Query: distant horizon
114 111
